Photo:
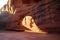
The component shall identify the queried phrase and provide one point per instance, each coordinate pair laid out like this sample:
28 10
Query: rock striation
45 13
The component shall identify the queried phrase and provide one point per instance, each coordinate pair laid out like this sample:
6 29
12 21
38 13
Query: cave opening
29 23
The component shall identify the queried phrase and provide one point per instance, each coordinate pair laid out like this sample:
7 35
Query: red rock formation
44 12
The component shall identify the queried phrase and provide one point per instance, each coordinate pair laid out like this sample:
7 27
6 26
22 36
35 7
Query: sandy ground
10 35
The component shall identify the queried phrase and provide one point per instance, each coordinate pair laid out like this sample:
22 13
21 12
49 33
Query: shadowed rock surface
4 16
27 36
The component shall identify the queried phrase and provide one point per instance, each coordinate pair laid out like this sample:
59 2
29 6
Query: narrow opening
2 3
29 23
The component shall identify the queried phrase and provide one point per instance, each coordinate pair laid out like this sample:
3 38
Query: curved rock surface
45 13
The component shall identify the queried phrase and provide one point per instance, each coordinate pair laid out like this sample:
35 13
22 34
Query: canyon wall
45 13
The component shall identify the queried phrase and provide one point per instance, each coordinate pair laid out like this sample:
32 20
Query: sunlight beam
2 3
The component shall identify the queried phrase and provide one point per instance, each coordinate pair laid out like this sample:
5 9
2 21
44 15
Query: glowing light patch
2 3
29 23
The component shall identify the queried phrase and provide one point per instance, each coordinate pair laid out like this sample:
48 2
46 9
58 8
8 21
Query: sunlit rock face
44 12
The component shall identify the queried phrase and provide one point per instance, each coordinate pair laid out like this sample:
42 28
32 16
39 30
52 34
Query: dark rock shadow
4 15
